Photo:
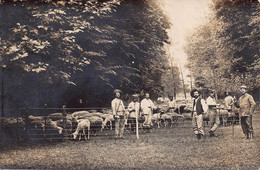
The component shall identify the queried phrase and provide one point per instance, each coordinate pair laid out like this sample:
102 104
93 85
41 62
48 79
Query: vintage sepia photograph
130 84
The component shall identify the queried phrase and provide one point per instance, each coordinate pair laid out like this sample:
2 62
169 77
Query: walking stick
233 130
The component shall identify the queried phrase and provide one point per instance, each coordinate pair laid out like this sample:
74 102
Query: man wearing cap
213 115
118 110
199 107
247 105
133 109
147 107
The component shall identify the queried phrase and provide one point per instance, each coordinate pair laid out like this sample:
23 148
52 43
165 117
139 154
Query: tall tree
63 50
224 53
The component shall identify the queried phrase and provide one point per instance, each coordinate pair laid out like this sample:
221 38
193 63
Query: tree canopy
224 53
59 51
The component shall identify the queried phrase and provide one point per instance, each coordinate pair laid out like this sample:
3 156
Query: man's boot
211 133
198 136
250 134
247 135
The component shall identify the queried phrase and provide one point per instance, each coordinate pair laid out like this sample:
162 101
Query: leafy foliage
64 50
224 53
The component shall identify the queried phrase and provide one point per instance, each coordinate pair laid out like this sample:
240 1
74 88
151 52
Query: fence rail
20 127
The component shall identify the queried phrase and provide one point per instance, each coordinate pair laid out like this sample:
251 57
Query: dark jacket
199 108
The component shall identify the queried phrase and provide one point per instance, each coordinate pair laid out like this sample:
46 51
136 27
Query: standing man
133 109
171 104
229 101
118 110
213 115
247 105
199 107
147 106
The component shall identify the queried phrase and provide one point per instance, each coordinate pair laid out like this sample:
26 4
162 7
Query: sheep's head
75 135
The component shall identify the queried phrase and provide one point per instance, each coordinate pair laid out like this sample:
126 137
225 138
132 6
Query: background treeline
224 52
74 53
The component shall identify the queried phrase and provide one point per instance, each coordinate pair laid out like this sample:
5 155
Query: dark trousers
246 124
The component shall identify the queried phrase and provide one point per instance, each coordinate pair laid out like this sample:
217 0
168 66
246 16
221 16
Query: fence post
27 121
17 129
45 121
136 124
64 114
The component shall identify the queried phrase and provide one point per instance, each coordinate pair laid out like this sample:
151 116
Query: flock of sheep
78 123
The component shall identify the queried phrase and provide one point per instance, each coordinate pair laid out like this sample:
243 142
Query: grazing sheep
95 120
94 114
79 114
166 119
9 121
156 118
175 117
187 116
82 126
37 121
95 123
85 114
108 118
104 116
54 125
225 115
171 118
60 124
106 111
40 121
55 116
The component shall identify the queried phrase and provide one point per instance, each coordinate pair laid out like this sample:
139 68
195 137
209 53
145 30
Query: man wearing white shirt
147 106
118 110
199 107
133 109
229 101
213 115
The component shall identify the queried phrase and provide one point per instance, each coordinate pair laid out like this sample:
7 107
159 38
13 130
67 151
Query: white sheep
167 118
55 116
82 125
109 118
156 118
40 121
79 114
171 118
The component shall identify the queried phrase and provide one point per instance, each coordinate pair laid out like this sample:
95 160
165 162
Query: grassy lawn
164 148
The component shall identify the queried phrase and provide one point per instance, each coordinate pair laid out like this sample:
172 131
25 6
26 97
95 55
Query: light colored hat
243 87
118 91
135 95
211 91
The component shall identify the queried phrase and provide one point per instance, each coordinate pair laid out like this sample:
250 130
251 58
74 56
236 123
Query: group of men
118 109
246 105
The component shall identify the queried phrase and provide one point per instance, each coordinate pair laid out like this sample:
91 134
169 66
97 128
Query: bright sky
185 16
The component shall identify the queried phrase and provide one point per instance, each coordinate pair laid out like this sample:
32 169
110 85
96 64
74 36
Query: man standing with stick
247 105
118 110
134 111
